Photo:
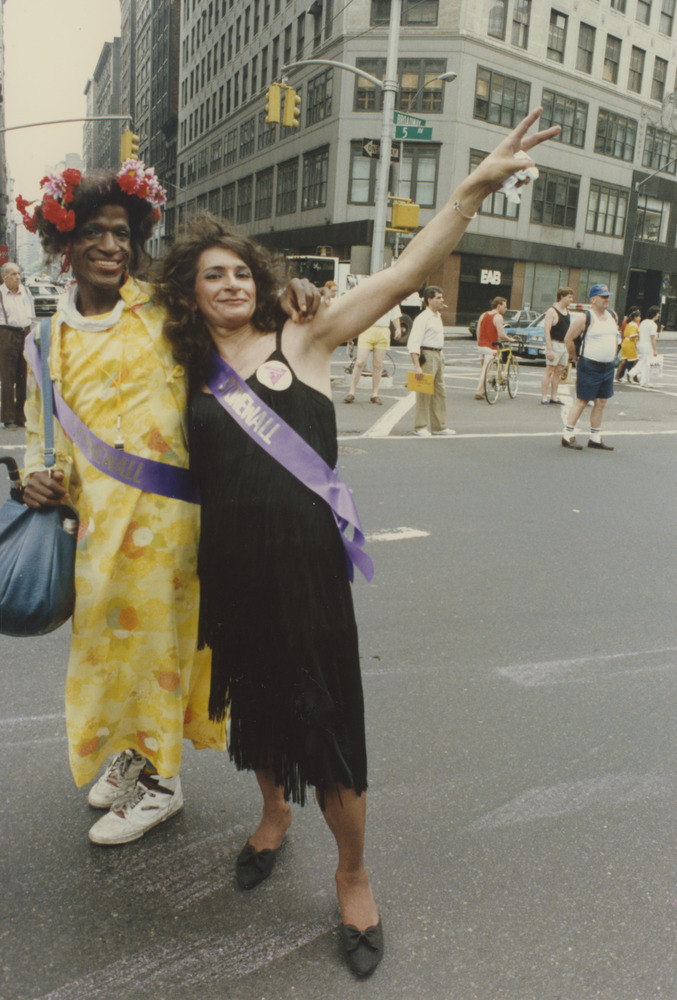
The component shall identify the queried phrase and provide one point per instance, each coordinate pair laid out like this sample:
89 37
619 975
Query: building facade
602 209
101 139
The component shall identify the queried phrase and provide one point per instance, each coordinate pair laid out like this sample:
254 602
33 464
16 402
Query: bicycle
389 366
502 373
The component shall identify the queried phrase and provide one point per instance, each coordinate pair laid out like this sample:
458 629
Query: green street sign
414 132
400 118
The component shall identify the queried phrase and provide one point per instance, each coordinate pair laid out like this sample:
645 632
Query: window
586 48
612 58
362 176
497 16
502 100
228 201
652 219
246 25
497 203
300 35
413 12
636 73
328 19
667 20
318 100
521 17
417 79
264 66
314 186
286 52
607 209
369 97
555 199
275 67
616 135
660 150
267 132
418 174
660 75
202 164
557 36
263 204
230 148
216 157
287 185
214 201
571 114
643 14
244 199
247 136
618 5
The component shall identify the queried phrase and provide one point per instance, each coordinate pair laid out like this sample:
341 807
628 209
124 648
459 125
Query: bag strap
276 437
46 383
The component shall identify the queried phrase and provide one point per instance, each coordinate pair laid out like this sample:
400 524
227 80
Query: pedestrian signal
292 108
273 102
129 146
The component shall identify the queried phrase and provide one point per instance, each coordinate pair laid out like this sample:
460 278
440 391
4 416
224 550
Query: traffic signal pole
390 87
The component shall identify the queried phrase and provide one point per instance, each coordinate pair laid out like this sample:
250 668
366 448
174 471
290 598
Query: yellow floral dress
135 676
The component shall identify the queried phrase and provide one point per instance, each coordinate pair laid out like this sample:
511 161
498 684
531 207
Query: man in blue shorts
596 363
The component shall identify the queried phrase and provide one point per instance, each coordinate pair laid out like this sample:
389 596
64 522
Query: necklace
115 381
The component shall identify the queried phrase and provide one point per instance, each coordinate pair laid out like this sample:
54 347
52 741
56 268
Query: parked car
532 337
45 296
514 318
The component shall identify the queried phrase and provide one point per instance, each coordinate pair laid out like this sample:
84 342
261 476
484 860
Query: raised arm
375 295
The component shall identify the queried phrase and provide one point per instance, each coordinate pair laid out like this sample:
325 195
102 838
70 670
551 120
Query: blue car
532 337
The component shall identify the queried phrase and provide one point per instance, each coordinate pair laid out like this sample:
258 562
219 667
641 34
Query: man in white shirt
596 366
426 342
17 314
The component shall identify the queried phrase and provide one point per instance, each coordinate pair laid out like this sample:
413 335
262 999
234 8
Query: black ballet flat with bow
254 867
364 949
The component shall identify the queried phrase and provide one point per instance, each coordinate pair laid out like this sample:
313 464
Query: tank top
558 330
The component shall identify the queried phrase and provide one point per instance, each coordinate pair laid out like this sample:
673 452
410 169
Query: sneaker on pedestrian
152 800
119 776
423 432
349 398
445 432
479 395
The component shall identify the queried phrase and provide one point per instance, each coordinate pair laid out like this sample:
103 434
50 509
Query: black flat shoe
364 949
254 867
600 446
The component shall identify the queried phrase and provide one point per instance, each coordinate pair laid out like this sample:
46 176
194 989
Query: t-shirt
647 330
487 334
601 338
427 331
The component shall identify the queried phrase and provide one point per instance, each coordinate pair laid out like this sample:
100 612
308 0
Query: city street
519 657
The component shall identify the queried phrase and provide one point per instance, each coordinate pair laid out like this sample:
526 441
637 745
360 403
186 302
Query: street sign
400 118
412 132
372 149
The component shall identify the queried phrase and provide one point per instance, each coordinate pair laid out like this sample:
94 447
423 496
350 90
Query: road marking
396 534
585 669
21 719
609 791
383 426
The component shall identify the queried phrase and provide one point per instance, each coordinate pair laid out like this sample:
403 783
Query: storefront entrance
481 280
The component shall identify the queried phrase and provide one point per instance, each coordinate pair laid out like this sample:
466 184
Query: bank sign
488 277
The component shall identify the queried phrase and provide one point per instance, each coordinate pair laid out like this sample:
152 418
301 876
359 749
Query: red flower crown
133 178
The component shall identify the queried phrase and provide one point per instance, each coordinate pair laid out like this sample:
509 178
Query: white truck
319 269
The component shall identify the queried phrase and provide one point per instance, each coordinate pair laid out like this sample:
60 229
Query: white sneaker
423 433
118 778
152 800
445 432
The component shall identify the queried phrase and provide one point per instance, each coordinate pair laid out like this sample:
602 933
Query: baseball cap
599 290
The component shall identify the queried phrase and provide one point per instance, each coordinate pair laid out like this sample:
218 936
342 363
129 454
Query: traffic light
292 108
273 102
129 146
405 214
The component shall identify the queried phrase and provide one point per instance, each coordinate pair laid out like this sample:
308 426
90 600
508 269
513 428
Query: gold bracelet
468 218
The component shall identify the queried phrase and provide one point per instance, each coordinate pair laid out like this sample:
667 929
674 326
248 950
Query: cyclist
489 330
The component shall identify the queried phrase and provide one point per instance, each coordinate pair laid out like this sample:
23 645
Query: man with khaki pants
426 342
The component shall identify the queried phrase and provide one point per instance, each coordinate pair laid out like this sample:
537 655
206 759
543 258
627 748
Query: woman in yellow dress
629 354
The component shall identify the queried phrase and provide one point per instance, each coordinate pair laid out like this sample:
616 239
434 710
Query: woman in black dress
276 605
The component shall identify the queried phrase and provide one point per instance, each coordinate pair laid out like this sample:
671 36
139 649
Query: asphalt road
518 651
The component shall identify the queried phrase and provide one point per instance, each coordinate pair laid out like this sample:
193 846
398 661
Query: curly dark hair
184 328
94 191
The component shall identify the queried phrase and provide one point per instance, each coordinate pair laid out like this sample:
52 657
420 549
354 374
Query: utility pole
390 88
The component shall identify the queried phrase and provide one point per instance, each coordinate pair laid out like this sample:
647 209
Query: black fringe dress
276 605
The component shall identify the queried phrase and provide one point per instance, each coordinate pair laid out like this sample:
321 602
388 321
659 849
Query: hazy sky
51 51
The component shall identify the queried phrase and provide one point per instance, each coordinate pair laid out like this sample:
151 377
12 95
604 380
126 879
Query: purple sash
144 473
282 443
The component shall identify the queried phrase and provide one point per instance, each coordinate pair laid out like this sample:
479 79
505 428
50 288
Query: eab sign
488 277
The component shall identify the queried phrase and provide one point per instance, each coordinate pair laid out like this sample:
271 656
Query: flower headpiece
134 178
